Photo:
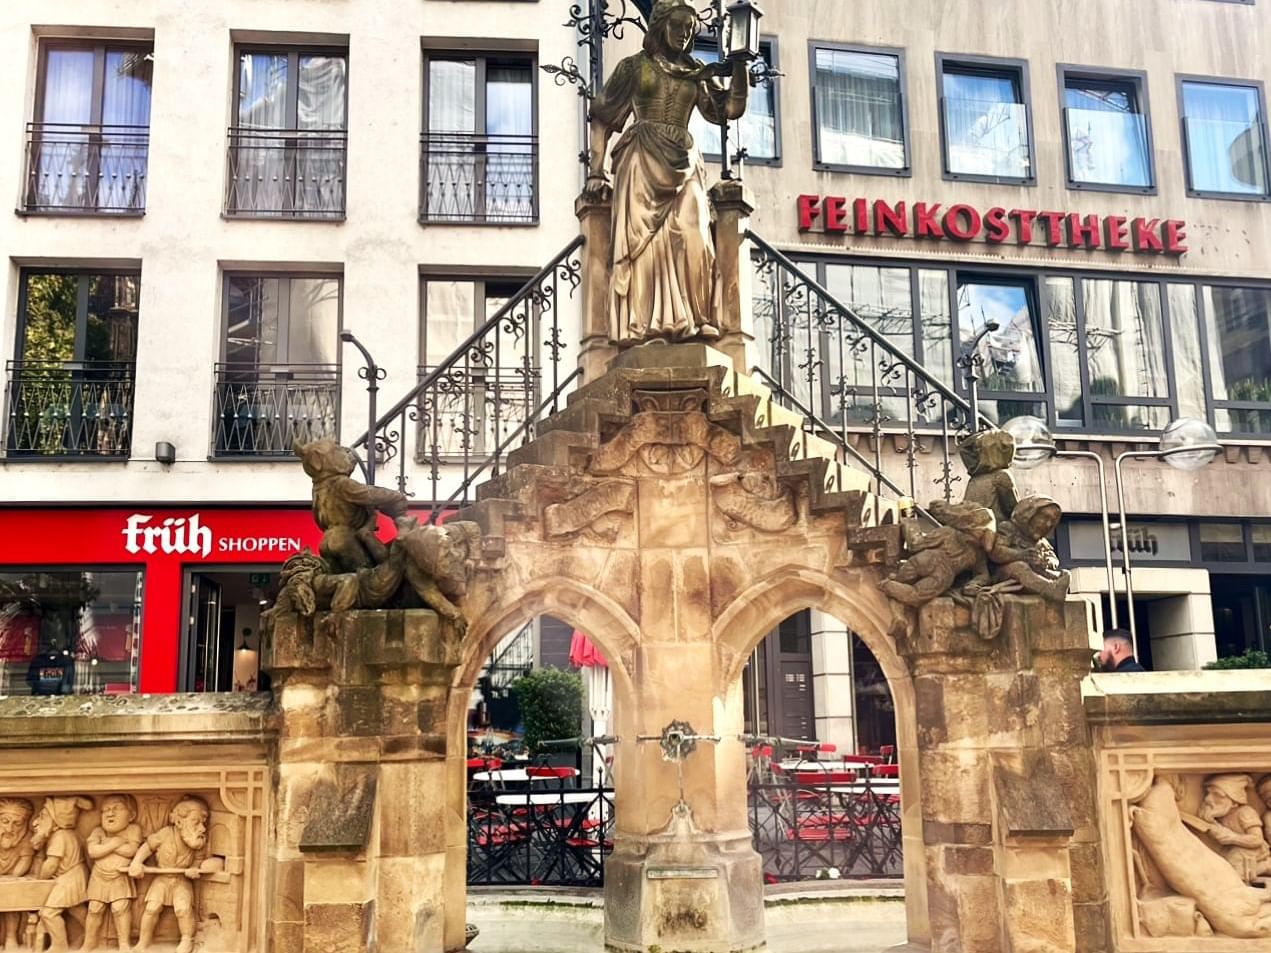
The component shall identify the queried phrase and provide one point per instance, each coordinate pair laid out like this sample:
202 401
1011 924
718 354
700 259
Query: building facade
205 199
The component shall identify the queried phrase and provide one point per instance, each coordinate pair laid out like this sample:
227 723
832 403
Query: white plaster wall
182 241
833 691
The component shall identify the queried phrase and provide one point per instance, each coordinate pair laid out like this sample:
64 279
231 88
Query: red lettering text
808 211
1053 221
1114 233
995 222
860 210
834 219
1024 230
1175 233
1144 234
888 219
1083 233
963 231
925 223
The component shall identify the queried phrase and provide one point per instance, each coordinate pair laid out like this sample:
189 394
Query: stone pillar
358 854
594 209
733 204
833 690
1008 780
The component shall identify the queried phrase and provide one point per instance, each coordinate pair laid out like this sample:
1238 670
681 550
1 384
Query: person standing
1117 654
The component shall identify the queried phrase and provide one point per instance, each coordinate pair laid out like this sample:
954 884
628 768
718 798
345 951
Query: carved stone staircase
815 468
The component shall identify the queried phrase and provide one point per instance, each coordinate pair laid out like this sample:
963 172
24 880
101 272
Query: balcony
470 413
85 169
286 173
261 411
471 179
72 409
987 139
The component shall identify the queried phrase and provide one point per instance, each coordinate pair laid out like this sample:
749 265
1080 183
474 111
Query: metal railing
286 173
513 659
69 409
466 421
466 178
74 167
821 351
260 411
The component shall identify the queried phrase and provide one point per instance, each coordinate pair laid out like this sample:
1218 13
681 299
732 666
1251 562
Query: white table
516 776
546 798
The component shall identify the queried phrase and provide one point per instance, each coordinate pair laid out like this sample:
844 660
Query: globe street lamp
1186 444
1034 445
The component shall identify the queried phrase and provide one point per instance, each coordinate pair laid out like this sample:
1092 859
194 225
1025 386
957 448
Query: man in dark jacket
1117 654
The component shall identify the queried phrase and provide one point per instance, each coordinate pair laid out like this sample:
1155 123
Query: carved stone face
325 457
1216 805
116 815
192 828
42 828
13 827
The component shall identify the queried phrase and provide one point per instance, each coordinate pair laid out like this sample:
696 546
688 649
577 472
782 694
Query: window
279 381
858 110
287 146
1225 138
758 130
87 146
986 122
479 148
1106 129
499 390
71 386
69 631
1010 368
1238 331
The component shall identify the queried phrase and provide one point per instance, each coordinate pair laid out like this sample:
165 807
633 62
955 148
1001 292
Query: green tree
551 703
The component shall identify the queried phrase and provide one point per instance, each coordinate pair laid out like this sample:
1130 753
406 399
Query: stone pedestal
1008 780
358 812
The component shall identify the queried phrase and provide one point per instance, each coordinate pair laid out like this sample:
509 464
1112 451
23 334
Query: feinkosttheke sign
837 214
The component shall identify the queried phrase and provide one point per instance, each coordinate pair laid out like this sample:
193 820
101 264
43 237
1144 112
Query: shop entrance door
220 651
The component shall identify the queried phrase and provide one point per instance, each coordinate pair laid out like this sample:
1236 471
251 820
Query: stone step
553 449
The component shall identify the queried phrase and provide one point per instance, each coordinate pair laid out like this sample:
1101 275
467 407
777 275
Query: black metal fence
74 167
286 173
843 825
69 409
259 411
471 178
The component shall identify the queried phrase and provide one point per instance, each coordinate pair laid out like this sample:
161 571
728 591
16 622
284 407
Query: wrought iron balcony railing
72 167
260 411
69 409
468 178
286 173
473 415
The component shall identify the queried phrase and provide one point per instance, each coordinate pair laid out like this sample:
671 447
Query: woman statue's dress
663 280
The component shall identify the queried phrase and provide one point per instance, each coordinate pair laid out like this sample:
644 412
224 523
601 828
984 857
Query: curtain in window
259 179
1238 328
1125 351
986 125
60 167
320 92
757 129
1224 138
881 297
858 109
509 124
320 107
313 321
125 103
450 182
1107 137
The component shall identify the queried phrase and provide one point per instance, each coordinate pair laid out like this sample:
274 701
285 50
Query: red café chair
886 771
560 775
888 752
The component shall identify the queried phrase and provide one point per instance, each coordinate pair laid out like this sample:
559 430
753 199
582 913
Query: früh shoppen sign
959 222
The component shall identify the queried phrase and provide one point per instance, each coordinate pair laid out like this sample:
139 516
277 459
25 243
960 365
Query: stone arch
860 605
606 624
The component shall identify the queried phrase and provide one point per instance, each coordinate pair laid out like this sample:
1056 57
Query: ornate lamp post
971 361
372 373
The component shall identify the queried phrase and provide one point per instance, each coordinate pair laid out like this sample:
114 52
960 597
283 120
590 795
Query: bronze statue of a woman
663 279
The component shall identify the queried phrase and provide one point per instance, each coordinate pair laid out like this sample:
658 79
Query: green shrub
551 704
1252 658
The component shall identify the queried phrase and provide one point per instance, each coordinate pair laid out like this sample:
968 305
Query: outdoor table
547 798
515 776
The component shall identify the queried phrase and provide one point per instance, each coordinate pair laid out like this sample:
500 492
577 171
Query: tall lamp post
372 373
1186 444
970 360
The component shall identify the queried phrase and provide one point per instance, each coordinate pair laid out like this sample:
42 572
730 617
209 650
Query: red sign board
162 542
836 214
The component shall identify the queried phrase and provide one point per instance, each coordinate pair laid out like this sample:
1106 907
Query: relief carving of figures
111 847
1023 555
596 512
17 854
1188 881
1233 823
179 859
662 281
668 443
63 863
755 499
955 552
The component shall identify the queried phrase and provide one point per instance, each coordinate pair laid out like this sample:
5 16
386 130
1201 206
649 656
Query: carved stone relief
754 499
597 513
1197 848
669 435
138 869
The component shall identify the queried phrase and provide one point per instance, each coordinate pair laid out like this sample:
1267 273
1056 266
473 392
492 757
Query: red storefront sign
163 543
836 214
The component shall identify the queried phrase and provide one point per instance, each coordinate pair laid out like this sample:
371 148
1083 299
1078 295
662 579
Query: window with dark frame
288 144
70 388
859 110
1106 131
499 391
479 146
1011 367
1225 138
758 131
278 382
985 121
87 146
